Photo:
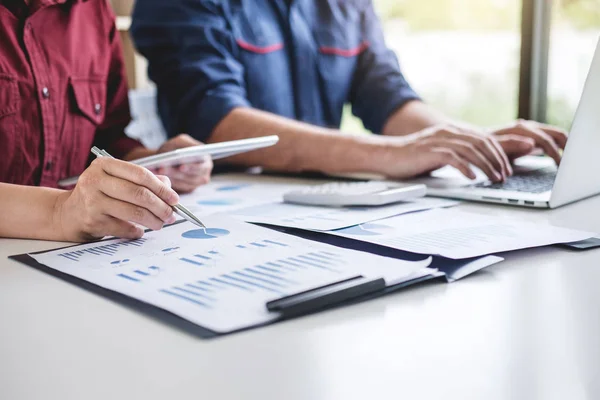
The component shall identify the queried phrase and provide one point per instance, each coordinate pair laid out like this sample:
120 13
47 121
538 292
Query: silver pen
178 208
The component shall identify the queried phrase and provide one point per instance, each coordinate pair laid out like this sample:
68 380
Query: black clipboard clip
326 296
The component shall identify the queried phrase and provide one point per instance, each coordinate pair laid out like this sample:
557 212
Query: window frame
536 21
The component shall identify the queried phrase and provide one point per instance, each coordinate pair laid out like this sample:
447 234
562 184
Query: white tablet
194 154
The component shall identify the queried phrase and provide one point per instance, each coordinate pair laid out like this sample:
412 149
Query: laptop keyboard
532 182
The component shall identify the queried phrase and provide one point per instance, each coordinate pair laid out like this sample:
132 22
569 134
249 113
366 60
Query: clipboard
345 292
215 151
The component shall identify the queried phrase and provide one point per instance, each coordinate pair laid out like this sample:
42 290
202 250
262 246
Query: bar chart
279 277
223 281
103 250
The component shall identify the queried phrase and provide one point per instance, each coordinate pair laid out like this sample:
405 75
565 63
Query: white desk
528 328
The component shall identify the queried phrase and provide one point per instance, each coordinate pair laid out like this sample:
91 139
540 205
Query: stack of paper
330 218
221 278
457 234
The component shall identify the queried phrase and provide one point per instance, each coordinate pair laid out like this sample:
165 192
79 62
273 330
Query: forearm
302 147
29 212
413 117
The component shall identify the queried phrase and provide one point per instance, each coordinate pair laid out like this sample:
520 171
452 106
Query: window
574 35
461 56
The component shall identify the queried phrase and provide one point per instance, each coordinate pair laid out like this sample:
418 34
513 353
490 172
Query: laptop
537 181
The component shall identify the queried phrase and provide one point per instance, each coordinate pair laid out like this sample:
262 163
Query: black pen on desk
178 208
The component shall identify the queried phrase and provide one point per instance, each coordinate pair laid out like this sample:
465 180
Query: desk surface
528 328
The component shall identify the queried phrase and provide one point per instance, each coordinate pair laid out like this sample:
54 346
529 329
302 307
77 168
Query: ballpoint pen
178 208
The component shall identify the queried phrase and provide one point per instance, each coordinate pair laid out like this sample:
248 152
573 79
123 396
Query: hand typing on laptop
523 137
462 146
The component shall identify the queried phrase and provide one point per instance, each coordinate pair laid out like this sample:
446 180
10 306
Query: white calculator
355 194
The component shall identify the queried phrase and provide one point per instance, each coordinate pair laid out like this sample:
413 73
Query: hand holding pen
113 198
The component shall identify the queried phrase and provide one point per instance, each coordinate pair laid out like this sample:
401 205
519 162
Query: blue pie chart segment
368 230
210 233
219 202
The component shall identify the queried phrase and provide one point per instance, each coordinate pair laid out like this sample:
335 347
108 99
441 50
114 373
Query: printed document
457 234
330 218
221 277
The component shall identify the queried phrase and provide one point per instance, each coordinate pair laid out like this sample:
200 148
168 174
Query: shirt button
45 93
49 165
98 108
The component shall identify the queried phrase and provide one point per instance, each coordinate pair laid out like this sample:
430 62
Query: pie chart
368 230
209 233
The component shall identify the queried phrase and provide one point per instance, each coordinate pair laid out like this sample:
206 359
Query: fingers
471 154
503 154
498 160
178 142
135 203
548 138
124 211
186 178
445 156
485 146
541 138
560 136
516 146
121 229
139 176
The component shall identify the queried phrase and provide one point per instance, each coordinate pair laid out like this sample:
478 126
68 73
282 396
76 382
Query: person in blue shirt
232 69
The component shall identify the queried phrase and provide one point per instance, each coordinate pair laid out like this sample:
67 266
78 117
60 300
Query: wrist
56 222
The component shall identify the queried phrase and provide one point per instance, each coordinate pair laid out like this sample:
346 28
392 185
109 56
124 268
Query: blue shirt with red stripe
301 59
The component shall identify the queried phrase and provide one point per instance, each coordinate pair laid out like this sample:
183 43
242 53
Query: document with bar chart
221 278
331 218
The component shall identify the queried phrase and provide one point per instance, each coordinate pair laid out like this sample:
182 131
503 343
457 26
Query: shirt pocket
338 55
262 53
87 113
9 135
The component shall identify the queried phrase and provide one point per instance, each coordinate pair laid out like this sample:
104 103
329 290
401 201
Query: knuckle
138 213
163 191
165 212
141 174
141 195
98 162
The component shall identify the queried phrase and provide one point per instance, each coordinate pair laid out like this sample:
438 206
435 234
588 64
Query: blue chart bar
226 283
257 244
184 298
272 268
209 286
200 288
105 250
187 260
272 276
154 268
213 252
279 276
130 278
192 292
251 283
275 243
290 264
239 246
141 273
